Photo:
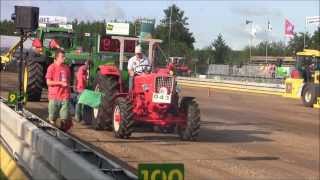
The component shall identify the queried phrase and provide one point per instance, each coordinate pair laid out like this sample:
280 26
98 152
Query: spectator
273 71
58 78
81 82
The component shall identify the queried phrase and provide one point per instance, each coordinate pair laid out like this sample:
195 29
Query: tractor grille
164 82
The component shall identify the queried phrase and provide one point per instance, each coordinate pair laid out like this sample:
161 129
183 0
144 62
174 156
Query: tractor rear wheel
191 108
33 78
309 95
122 118
102 116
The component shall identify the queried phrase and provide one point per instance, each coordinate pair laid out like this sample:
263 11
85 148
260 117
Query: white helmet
138 49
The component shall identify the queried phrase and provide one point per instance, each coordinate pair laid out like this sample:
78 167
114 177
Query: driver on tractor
54 44
137 65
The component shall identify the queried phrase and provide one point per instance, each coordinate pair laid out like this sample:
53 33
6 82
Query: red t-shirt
81 79
58 73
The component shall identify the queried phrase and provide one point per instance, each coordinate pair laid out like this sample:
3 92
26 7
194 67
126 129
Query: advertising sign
52 20
117 29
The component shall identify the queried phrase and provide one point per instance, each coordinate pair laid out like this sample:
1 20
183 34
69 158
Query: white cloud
239 35
250 12
113 11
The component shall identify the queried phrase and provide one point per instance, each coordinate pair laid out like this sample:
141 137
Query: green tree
202 58
296 43
181 40
315 39
7 27
221 50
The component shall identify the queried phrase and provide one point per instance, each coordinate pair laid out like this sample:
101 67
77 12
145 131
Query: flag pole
250 44
267 43
285 38
250 40
267 50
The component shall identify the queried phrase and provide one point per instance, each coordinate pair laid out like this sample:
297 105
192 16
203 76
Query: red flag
288 28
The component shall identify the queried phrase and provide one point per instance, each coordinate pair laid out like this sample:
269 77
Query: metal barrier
47 153
260 71
264 88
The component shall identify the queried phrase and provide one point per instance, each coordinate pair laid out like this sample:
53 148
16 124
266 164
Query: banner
117 29
288 28
147 26
314 20
52 20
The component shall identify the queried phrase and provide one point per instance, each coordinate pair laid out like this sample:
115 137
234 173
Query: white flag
253 31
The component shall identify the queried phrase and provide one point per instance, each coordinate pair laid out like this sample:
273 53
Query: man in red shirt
58 79
81 82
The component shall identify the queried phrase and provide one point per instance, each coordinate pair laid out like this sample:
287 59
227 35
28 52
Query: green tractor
37 61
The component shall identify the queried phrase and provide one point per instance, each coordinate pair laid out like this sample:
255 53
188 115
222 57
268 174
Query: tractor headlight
178 89
145 87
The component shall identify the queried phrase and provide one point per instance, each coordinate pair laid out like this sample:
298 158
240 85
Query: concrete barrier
39 153
9 167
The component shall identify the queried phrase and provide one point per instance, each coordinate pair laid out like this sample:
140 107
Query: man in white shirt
137 64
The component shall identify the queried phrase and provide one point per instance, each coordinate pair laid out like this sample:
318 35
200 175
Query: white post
121 54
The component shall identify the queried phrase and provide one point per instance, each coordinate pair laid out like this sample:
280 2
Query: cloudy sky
206 18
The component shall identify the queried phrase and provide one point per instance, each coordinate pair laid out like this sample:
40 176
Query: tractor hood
77 57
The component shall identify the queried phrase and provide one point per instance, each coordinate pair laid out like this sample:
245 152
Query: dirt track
242 136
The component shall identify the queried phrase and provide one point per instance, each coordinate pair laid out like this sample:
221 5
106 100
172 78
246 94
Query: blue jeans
130 83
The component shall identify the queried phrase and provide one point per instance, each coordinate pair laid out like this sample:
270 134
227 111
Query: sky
206 18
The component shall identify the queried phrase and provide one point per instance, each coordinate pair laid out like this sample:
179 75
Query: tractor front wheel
191 108
309 95
122 118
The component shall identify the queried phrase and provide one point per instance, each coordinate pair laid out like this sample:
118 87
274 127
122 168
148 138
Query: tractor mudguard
109 70
119 95
187 98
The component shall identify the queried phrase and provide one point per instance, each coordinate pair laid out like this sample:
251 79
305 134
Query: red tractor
153 100
180 67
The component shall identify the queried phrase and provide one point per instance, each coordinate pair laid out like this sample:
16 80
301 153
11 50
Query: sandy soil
242 136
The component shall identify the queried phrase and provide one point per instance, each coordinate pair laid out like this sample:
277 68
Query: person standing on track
58 79
81 82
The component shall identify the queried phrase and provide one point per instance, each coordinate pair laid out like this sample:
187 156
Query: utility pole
170 24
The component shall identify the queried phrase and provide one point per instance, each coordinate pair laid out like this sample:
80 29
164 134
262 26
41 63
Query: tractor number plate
161 98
